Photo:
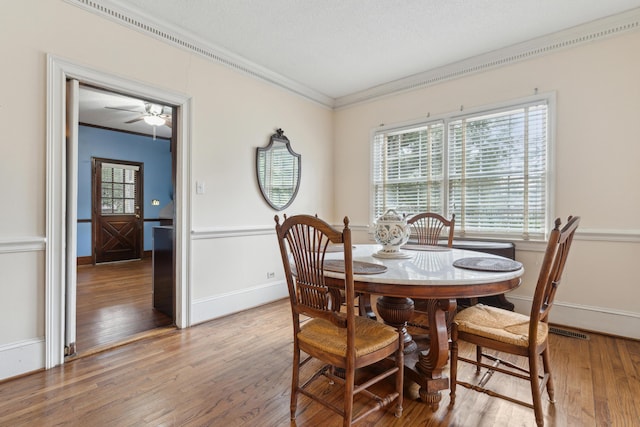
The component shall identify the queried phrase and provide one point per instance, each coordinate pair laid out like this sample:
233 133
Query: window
490 168
118 184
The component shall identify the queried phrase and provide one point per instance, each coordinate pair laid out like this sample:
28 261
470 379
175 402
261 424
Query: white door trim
58 71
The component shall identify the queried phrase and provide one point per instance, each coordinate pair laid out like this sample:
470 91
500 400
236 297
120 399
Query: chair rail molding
247 230
22 244
226 232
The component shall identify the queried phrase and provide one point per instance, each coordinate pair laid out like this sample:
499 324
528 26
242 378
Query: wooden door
117 210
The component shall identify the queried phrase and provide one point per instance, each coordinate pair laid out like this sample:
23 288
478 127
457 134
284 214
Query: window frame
446 118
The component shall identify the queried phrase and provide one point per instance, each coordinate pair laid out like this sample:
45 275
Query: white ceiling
337 48
114 111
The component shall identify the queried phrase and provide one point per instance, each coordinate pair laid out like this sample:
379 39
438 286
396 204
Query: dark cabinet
163 271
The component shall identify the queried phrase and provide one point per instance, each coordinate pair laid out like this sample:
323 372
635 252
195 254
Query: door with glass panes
117 210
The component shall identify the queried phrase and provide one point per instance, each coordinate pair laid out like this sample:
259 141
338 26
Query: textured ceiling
338 47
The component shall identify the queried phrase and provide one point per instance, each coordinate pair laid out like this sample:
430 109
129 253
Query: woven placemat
359 267
488 264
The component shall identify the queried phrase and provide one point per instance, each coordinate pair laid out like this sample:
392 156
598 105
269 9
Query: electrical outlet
271 275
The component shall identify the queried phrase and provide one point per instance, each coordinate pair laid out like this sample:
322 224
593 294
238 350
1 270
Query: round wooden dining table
424 273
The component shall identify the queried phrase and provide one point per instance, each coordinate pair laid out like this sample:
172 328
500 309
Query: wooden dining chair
513 333
427 228
332 332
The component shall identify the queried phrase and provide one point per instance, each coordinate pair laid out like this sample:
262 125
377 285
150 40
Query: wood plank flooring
115 305
236 371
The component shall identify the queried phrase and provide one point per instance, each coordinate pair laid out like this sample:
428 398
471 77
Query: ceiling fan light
154 120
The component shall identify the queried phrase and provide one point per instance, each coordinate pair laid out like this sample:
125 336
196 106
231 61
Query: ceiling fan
153 115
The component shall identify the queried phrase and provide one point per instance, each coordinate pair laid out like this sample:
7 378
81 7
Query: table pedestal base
424 360
395 312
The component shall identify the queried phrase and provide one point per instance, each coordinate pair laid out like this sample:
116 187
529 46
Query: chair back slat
551 271
427 228
304 240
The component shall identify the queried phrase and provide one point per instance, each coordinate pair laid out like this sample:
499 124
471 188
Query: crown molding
575 36
146 24
579 35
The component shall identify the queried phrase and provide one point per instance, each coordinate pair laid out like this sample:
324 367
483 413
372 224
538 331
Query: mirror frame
276 138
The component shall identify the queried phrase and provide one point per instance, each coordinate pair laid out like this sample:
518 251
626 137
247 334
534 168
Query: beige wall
597 89
597 92
232 114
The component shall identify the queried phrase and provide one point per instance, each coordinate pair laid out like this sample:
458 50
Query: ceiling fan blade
168 122
125 109
135 120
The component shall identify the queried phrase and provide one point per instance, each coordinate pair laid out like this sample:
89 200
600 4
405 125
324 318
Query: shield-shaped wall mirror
278 170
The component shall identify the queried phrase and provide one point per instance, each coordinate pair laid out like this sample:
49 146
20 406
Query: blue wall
95 142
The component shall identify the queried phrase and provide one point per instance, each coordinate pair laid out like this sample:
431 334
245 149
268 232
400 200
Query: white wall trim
596 235
585 235
206 309
22 244
601 235
21 357
223 232
586 33
589 318
58 71
142 22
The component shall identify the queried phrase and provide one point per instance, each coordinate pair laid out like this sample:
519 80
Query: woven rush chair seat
499 325
370 337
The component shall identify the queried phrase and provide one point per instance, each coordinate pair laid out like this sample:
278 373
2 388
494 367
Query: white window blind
489 168
408 169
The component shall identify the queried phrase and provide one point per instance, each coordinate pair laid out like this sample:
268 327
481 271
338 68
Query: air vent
570 334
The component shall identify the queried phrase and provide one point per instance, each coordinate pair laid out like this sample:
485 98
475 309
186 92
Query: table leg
432 360
364 306
396 312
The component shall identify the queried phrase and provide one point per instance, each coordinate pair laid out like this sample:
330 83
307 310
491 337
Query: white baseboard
588 318
21 357
210 308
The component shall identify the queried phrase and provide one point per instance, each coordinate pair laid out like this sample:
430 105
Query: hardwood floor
115 305
236 371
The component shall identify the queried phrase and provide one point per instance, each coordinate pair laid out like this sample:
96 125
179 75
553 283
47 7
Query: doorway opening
117 297
61 211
